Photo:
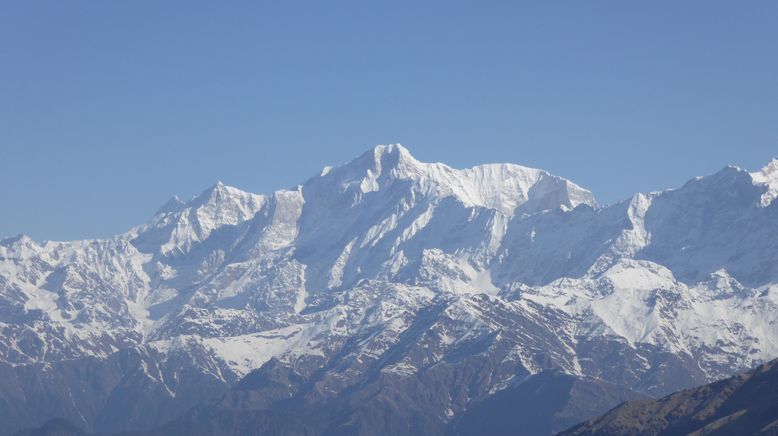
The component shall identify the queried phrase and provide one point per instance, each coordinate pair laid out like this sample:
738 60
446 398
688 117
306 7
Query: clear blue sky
108 108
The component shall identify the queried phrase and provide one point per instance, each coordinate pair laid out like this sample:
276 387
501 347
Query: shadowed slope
744 404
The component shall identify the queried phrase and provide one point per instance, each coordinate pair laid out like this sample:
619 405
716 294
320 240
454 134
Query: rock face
744 404
388 294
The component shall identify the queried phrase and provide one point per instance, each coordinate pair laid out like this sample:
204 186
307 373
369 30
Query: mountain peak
391 149
383 159
21 238
177 224
220 187
395 152
504 187
217 193
174 204
19 246
226 204
768 177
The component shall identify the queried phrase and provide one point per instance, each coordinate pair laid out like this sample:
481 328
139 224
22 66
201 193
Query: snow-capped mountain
396 277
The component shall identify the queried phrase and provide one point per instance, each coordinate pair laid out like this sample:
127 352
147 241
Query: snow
46 301
336 273
502 187
644 303
768 177
478 280
362 248
192 222
247 352
633 240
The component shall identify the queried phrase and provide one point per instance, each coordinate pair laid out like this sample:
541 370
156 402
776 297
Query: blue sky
109 108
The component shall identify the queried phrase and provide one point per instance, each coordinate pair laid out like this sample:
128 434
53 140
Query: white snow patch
768 176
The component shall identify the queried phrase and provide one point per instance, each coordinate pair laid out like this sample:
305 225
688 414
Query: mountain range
388 295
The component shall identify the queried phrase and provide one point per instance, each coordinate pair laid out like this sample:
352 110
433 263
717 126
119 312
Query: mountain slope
55 427
744 404
542 404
